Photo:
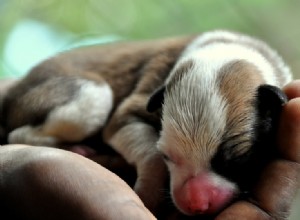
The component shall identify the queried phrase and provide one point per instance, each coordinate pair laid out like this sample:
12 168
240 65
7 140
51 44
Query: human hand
47 183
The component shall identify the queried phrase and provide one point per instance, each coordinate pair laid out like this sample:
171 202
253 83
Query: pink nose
204 195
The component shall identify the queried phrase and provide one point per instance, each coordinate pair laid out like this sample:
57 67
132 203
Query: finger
292 90
289 130
277 188
243 210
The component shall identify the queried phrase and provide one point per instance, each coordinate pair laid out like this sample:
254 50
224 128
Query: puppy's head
217 124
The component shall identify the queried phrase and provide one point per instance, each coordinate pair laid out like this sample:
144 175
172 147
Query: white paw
31 136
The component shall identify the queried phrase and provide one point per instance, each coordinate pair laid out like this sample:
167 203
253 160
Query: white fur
86 113
32 136
194 119
242 48
220 181
218 55
74 121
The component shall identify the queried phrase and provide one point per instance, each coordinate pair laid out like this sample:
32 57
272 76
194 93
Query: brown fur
261 48
239 95
182 70
133 71
121 65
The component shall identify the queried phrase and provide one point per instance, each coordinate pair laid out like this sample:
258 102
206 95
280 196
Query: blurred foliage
275 21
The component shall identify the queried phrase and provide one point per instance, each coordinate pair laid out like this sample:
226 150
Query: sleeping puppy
220 104
205 108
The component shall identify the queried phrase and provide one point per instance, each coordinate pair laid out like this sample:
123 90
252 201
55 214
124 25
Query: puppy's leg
83 114
134 139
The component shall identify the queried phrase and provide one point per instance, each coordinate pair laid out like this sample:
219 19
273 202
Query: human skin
48 183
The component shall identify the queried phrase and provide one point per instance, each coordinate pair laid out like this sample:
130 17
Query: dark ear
270 100
156 100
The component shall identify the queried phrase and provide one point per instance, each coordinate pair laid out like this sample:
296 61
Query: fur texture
209 111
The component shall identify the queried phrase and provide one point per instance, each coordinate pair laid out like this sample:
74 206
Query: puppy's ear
156 100
271 99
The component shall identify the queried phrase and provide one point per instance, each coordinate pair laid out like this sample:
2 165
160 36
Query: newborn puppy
207 104
220 105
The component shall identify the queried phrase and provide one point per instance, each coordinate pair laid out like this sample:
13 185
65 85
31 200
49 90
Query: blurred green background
32 30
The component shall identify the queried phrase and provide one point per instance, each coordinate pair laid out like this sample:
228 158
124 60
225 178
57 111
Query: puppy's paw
150 183
31 136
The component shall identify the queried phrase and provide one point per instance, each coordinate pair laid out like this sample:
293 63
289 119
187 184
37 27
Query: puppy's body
214 121
51 105
115 69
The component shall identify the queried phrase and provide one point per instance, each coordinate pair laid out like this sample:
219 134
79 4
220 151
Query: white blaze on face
198 119
191 133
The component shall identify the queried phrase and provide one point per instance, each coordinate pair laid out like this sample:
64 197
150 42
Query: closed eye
233 155
166 158
170 157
